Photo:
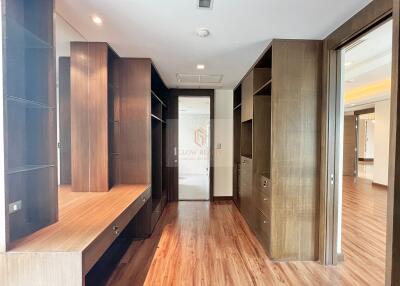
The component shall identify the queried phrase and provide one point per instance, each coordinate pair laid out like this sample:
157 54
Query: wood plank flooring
198 243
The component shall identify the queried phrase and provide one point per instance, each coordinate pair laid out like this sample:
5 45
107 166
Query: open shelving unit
158 145
30 116
114 121
277 146
237 119
262 116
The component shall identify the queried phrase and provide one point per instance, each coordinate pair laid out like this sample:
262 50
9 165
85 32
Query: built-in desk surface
88 224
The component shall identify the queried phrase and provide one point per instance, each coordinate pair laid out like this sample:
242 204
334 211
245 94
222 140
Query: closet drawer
262 201
97 248
263 230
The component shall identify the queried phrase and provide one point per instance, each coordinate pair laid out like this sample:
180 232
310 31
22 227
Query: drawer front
263 230
246 189
97 248
262 201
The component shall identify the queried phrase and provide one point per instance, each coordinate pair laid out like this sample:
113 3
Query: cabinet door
246 186
247 97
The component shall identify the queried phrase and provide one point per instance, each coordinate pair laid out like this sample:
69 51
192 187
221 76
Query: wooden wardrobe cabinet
92 116
279 148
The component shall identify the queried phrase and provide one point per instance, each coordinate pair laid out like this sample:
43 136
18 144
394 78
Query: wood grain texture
393 221
198 243
247 97
88 213
134 89
296 67
89 117
80 163
286 139
349 146
87 226
64 71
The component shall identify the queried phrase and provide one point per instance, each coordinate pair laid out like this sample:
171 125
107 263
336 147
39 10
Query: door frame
367 19
173 138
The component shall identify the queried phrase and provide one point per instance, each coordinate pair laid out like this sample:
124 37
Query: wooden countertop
82 218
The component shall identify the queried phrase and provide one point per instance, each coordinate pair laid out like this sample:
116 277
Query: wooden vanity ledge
83 217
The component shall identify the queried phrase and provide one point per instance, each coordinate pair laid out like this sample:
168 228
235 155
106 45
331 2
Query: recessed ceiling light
203 32
97 20
200 67
348 64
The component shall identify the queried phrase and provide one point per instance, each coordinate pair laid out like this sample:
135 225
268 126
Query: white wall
370 139
382 136
223 134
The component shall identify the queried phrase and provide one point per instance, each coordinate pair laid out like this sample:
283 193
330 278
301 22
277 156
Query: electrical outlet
14 207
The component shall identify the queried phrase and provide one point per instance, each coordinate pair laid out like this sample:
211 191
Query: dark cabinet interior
237 124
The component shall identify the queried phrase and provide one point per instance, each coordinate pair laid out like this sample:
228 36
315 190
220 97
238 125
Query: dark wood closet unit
92 116
30 131
141 110
278 146
158 142
64 107
237 123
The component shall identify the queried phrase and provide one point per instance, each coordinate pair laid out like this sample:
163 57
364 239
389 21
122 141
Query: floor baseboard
226 198
379 185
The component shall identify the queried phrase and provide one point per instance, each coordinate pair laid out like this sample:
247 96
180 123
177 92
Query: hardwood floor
198 243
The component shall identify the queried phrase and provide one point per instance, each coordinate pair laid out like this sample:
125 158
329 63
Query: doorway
362 149
194 115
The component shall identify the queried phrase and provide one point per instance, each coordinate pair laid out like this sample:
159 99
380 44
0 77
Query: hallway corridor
198 243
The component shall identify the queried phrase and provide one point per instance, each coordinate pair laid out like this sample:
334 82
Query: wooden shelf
155 96
28 168
155 203
265 89
29 103
30 129
157 118
31 40
237 106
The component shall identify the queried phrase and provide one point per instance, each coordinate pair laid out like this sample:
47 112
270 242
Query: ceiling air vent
199 80
205 4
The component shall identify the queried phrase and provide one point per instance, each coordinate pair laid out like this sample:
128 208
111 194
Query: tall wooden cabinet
140 110
279 134
92 116
29 117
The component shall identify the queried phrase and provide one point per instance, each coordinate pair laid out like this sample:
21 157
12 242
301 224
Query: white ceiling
240 30
369 63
